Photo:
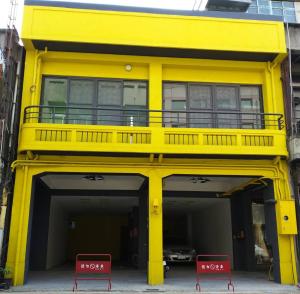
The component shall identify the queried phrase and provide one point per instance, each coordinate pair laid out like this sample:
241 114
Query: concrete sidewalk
181 280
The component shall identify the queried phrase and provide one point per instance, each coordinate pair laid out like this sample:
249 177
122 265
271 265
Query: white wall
212 231
297 9
57 236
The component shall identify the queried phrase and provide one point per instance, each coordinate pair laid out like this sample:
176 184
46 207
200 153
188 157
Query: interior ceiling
99 204
106 204
134 182
78 182
202 183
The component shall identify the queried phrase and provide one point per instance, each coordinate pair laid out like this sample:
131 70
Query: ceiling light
93 178
201 180
128 67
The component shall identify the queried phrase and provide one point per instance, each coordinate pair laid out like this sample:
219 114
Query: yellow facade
144 29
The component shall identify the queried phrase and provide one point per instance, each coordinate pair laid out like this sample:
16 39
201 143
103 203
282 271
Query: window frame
213 98
94 104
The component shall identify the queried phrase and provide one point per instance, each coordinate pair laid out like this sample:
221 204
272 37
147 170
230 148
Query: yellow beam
152 30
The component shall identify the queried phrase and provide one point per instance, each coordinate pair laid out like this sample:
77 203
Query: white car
179 254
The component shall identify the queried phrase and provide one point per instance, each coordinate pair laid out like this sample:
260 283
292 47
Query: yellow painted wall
155 171
172 69
61 24
152 30
155 70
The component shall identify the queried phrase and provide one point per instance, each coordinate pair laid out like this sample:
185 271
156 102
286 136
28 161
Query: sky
169 4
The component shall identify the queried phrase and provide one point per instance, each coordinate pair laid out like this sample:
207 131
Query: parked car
179 254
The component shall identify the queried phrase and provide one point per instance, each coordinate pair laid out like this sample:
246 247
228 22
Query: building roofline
95 6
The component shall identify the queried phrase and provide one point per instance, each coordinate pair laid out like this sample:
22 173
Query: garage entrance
88 213
219 215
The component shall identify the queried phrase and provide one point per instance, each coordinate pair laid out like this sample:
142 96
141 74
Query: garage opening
234 216
87 213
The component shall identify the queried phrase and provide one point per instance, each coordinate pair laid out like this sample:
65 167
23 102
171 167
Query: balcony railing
138 131
144 118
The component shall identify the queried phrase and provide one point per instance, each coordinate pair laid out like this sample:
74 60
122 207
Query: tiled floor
180 279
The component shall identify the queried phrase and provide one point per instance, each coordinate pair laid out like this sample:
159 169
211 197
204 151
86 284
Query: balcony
106 130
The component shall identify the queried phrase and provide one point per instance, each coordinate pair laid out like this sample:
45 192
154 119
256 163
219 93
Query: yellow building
146 129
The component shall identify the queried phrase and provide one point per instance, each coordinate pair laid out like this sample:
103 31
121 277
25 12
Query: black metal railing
144 117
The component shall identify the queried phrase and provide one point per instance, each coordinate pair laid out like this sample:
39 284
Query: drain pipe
293 131
37 65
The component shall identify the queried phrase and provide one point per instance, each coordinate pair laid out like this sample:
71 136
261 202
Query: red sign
93 266
213 264
213 267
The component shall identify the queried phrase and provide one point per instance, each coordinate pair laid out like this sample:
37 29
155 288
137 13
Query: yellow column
17 246
155 262
286 245
155 93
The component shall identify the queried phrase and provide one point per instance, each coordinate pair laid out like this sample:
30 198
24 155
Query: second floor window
94 101
198 105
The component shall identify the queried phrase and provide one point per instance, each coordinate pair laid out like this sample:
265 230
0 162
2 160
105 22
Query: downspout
271 67
37 65
290 78
293 131
293 240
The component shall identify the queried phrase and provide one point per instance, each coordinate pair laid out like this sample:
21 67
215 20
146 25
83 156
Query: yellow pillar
286 244
155 93
16 258
155 262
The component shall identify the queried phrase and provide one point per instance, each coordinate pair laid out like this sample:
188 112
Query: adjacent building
142 129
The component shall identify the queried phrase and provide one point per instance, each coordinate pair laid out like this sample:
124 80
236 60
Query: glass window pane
250 99
81 92
55 91
226 98
227 121
277 4
175 100
173 92
277 11
253 9
134 118
111 117
200 97
80 115
289 12
264 10
178 105
200 120
253 3
288 4
110 93
55 99
135 94
290 18
263 2
54 114
250 103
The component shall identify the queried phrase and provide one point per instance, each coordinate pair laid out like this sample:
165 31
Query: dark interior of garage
201 215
